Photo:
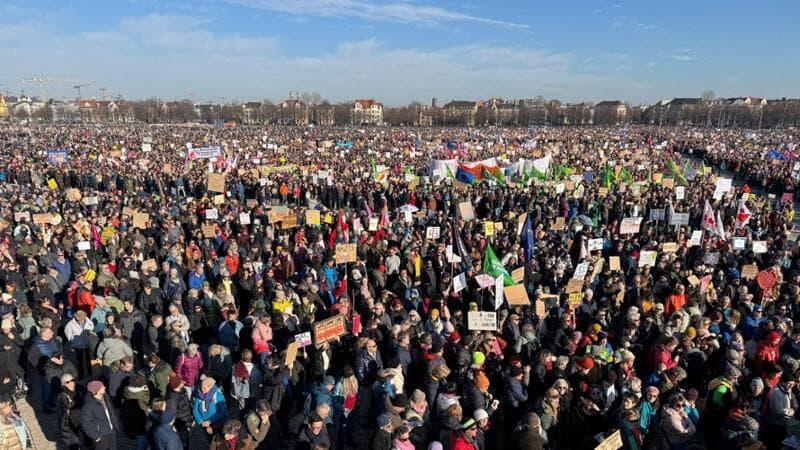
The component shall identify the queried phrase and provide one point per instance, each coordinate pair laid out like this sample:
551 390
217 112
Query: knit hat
384 420
481 414
691 332
434 313
757 383
174 382
595 328
454 336
481 381
773 336
478 358
586 363
94 387
417 396
469 423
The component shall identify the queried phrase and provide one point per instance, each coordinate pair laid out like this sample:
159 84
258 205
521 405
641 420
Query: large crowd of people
172 287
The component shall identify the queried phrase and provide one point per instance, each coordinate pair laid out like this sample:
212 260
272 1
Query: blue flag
527 239
464 176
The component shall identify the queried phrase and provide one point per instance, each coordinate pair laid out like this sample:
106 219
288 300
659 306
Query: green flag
673 170
608 177
625 176
373 166
493 266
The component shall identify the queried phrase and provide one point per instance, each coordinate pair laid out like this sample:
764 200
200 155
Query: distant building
324 115
366 112
293 112
576 114
460 112
424 116
3 108
251 113
610 111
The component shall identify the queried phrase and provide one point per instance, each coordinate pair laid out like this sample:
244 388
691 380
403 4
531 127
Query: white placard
303 339
580 271
459 282
212 214
759 247
648 258
244 218
373 224
595 244
678 218
451 258
680 192
498 292
482 320
697 237
84 245
432 233
739 243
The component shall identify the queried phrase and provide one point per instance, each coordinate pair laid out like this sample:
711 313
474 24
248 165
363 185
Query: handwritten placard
216 182
516 295
482 320
330 328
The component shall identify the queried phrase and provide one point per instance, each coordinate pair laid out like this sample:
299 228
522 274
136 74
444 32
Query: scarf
240 371
207 397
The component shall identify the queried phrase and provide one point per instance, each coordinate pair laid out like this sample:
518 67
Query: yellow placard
51 183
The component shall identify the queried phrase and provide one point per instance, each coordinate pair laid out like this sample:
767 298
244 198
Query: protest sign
679 218
459 283
581 270
518 274
216 182
432 233
749 271
657 214
516 295
759 247
140 220
669 247
613 263
73 195
575 299
465 211
488 228
630 225
612 442
312 217
647 258
244 218
209 231
303 339
680 193
291 353
345 253
595 244
559 224
212 214
482 320
739 243
574 285
697 238
330 328
149 265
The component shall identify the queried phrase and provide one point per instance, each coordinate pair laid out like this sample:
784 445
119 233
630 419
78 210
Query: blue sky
402 50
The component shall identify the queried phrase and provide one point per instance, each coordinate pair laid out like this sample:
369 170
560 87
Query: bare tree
708 95
311 98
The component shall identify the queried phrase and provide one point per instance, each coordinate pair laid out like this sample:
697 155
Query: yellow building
3 108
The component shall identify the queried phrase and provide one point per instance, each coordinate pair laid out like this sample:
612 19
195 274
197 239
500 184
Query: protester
339 286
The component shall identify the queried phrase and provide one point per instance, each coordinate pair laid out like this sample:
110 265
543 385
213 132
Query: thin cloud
400 11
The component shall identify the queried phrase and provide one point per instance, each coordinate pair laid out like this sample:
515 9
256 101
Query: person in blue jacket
208 406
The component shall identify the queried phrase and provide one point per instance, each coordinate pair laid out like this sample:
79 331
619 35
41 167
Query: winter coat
69 407
243 443
112 350
94 421
273 387
213 412
677 429
179 403
781 406
77 334
307 439
189 368
367 367
134 407
166 438
159 378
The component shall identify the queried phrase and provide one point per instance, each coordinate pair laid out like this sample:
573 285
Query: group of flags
712 222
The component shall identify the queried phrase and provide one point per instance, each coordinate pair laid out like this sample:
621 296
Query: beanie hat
478 358
94 387
691 332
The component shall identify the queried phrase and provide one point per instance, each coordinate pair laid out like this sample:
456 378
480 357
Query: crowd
319 288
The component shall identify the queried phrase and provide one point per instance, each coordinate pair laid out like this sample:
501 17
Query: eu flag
464 176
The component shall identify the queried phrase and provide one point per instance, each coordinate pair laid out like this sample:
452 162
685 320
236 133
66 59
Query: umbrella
584 219
409 208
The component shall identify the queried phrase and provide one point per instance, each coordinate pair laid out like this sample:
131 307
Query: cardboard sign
518 274
312 217
291 353
466 211
612 442
630 225
516 295
330 328
482 320
574 285
289 221
669 247
40 219
209 231
345 253
648 258
693 280
216 182
73 195
219 199
575 299
668 183
128 211
749 271
560 224
613 263
432 233
539 307
140 220
149 265
759 247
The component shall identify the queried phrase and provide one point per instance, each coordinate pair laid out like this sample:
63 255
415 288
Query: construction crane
42 82
78 87
103 93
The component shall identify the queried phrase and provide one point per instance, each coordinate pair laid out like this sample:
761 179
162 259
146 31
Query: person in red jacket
676 301
767 353
84 300
464 439
661 358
